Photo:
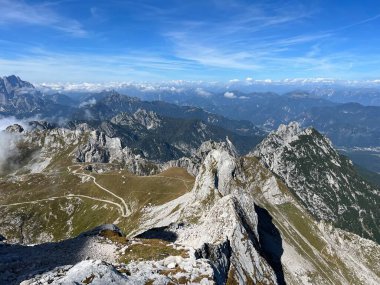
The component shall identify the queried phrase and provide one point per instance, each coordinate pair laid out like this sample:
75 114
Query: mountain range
213 217
105 188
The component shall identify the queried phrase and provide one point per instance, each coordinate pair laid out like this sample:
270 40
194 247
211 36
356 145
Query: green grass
150 249
157 189
50 217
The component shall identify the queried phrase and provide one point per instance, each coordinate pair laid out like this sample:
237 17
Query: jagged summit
324 181
12 83
11 86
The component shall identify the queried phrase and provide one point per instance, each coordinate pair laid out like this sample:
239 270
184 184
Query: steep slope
323 180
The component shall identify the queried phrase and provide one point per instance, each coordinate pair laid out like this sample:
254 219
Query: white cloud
7 121
203 93
20 12
229 95
7 148
90 102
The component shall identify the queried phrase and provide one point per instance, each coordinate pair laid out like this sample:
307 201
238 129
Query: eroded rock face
9 85
98 149
219 256
148 119
226 222
193 163
103 149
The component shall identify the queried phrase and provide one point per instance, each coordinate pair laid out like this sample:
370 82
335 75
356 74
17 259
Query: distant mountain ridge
20 98
102 106
346 124
108 104
172 137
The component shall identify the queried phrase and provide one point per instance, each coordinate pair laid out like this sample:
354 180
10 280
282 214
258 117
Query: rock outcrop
148 119
15 128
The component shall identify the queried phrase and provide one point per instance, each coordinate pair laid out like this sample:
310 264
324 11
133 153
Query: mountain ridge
325 181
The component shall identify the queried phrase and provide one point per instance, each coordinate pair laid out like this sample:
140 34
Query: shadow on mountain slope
162 233
20 262
270 242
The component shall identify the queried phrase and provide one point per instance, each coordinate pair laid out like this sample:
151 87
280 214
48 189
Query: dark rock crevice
219 256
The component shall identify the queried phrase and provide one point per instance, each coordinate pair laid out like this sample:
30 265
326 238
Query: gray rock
15 128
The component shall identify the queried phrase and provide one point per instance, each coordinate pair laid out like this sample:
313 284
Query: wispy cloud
73 66
264 40
154 40
20 12
358 23
239 40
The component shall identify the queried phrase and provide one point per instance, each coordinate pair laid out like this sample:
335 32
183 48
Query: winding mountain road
69 196
123 206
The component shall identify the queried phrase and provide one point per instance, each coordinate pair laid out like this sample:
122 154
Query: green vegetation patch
150 249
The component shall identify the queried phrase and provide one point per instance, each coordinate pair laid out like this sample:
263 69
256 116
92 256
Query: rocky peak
226 232
288 132
16 82
208 146
192 164
11 83
15 128
216 173
149 119
323 180
113 97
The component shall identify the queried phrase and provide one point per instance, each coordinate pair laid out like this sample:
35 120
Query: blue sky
116 40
